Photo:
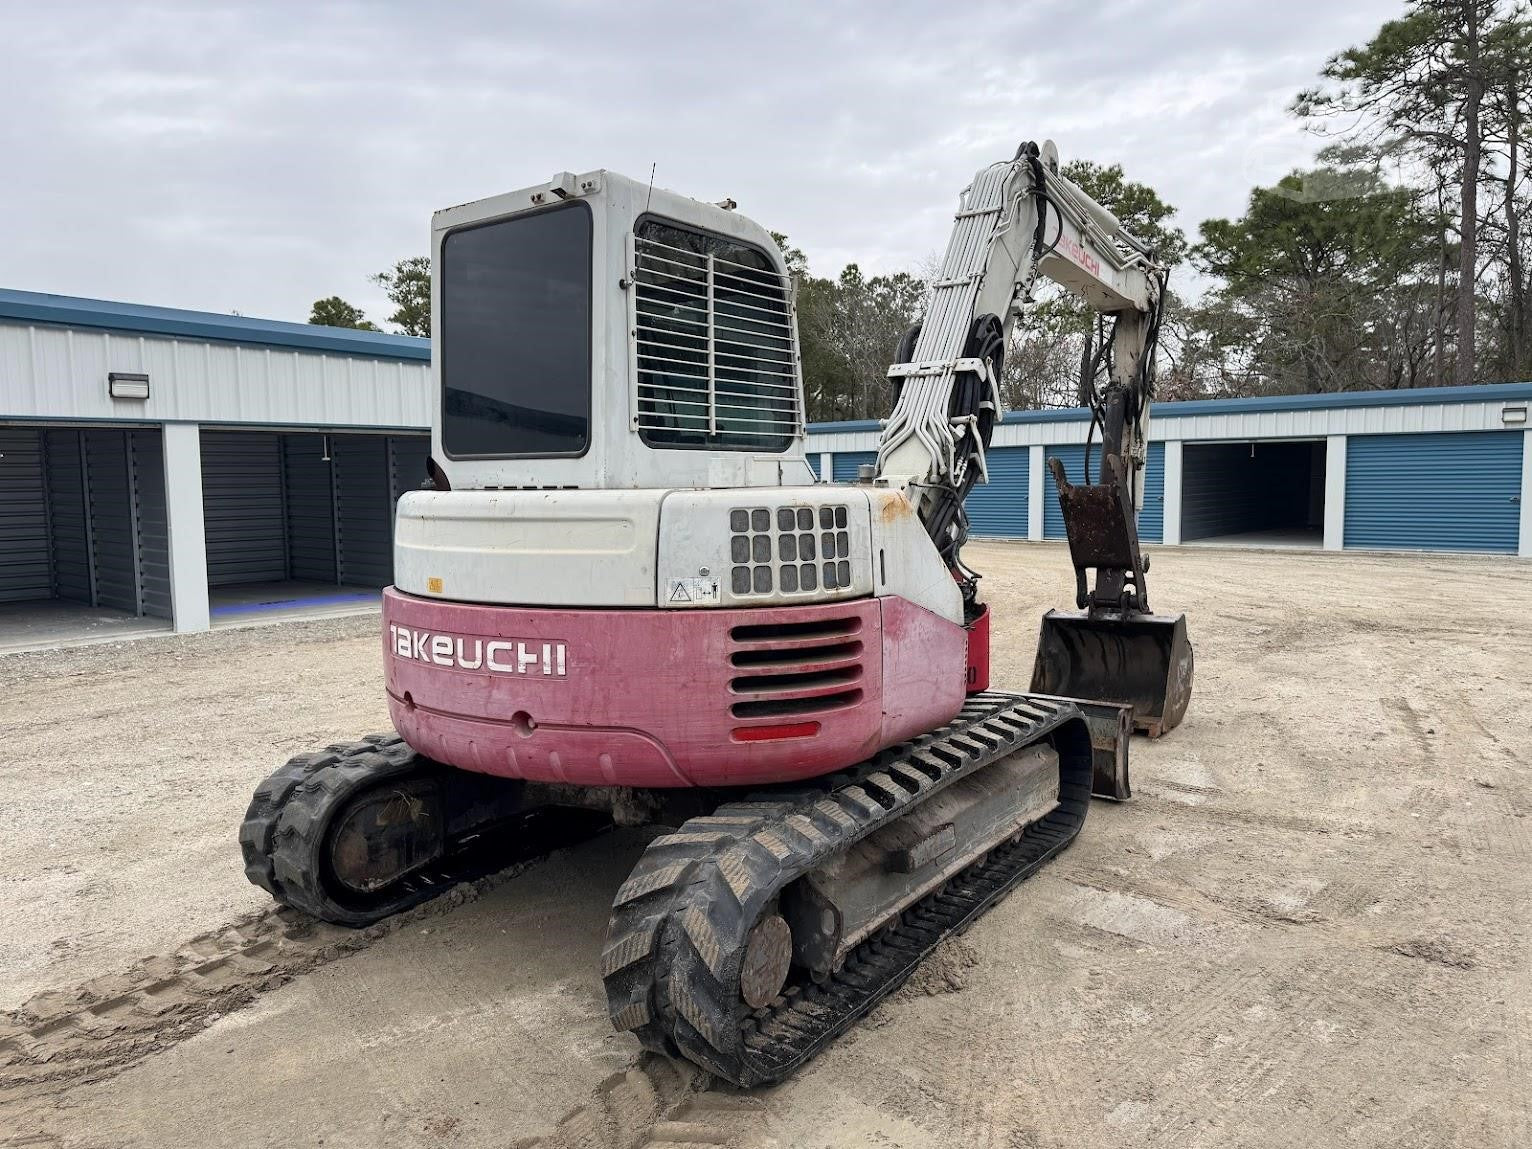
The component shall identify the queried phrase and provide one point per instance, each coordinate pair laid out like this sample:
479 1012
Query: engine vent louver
792 550
796 668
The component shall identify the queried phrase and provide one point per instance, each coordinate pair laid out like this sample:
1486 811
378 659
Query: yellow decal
434 585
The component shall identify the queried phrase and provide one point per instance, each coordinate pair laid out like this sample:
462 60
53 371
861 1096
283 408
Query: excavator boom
1018 221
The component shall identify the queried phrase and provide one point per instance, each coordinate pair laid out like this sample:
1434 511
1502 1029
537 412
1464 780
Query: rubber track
258 832
679 925
283 835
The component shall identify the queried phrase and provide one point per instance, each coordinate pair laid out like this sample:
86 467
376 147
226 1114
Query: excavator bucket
1130 659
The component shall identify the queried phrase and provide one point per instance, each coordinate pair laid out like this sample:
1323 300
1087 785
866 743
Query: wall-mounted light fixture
1513 414
127 385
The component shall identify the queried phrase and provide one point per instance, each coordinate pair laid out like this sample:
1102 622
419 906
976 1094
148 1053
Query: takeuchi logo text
495 655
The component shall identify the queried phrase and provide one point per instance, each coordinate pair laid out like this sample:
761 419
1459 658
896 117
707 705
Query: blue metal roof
1420 396
36 307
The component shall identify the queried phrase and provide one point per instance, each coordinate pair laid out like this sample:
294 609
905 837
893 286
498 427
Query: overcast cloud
255 157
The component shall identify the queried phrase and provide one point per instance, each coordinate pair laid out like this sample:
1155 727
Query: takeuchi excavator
626 592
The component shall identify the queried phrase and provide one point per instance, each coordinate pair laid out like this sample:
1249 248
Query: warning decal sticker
698 591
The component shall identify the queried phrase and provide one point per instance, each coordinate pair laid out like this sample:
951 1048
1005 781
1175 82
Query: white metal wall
1316 423
49 372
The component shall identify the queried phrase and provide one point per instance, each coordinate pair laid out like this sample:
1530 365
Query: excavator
626 594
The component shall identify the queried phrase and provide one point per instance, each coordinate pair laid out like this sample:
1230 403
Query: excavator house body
660 699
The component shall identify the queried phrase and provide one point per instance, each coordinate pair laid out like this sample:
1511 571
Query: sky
253 157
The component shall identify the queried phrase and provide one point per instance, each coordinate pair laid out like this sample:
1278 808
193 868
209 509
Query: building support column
1524 546
1171 536
1335 492
183 513
826 466
1035 489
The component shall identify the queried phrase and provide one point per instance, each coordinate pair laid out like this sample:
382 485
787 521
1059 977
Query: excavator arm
1017 221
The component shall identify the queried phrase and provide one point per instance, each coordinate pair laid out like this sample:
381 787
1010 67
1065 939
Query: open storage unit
302 518
83 536
1254 493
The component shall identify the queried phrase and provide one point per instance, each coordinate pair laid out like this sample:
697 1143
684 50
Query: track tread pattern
283 835
681 923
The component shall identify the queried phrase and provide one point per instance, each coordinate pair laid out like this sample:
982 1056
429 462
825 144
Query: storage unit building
1442 469
174 465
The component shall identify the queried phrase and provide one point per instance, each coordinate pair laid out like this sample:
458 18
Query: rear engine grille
800 680
796 668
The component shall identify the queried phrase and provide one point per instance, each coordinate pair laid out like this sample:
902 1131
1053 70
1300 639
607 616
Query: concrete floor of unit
245 603
44 623
1282 539
1307 928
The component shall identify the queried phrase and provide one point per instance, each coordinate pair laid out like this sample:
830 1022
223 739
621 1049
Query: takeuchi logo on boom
526 657
1078 253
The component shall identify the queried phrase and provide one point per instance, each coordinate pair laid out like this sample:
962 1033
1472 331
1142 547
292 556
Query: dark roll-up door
24 546
68 523
114 519
364 509
998 509
407 462
1448 491
23 518
843 464
148 454
242 507
310 509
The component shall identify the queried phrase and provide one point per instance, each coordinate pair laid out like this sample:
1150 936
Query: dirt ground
1309 927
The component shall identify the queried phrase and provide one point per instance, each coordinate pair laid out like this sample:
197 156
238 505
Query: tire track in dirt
661 1104
61 1039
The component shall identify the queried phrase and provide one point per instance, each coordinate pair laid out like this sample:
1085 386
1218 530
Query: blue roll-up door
1151 516
998 509
1073 457
1448 491
843 464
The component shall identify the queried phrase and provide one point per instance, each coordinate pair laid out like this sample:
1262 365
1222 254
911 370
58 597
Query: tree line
1398 259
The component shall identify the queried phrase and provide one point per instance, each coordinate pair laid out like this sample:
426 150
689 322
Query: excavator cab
1114 650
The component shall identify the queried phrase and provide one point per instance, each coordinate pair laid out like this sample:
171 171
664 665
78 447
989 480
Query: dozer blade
1138 660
